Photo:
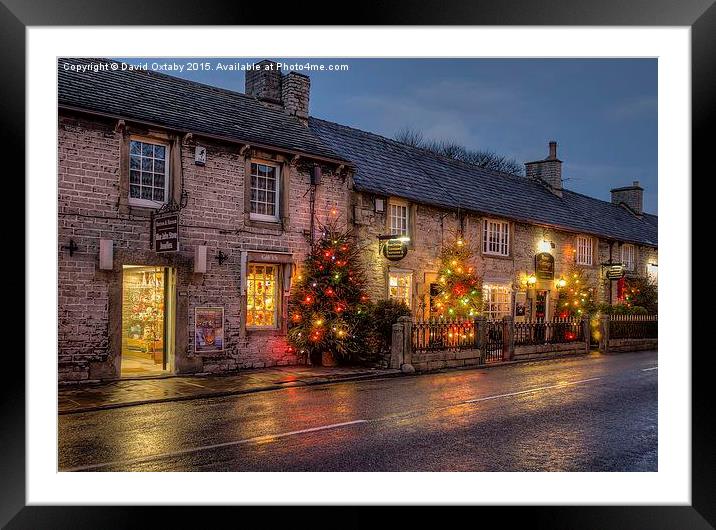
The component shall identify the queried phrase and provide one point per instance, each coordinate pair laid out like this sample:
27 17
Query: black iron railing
557 331
633 327
431 335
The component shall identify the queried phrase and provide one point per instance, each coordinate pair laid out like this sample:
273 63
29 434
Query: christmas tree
459 293
328 306
576 297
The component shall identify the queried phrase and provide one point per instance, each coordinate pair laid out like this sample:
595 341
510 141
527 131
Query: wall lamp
221 257
546 246
531 280
561 283
404 239
72 247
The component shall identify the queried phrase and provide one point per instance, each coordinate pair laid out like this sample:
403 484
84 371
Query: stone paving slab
128 392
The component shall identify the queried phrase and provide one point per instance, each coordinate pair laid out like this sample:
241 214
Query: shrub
381 316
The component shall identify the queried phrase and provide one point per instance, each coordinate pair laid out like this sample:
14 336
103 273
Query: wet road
596 413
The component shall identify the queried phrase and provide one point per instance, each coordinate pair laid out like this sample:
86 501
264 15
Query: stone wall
431 228
92 205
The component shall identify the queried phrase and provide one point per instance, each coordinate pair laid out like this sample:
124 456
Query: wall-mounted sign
615 272
395 249
166 232
208 329
200 155
544 266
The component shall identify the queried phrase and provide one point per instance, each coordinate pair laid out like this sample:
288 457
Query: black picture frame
700 15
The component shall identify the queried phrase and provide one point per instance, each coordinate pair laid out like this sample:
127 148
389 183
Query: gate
493 341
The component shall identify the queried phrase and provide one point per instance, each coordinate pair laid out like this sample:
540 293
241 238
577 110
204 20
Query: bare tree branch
482 158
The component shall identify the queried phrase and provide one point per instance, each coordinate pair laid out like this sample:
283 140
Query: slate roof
388 167
184 105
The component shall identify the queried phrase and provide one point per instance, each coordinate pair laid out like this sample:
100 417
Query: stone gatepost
401 346
587 331
396 346
407 363
508 338
481 335
604 331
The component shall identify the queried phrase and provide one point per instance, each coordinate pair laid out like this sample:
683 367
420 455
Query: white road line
266 437
647 369
560 385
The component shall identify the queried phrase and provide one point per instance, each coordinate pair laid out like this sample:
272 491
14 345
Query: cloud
633 108
448 109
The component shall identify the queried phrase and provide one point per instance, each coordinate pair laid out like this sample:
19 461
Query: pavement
587 413
130 392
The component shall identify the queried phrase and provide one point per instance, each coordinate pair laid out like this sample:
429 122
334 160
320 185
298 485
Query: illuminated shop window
261 296
584 250
400 286
148 173
496 301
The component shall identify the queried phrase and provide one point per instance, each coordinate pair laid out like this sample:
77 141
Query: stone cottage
185 209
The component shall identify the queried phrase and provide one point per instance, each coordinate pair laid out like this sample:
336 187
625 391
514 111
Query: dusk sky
602 112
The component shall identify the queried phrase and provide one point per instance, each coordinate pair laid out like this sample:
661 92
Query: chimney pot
636 183
552 150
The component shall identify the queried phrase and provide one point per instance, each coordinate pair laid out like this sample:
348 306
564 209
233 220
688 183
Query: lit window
584 250
496 237
398 219
400 286
628 257
148 174
652 272
496 301
261 296
264 192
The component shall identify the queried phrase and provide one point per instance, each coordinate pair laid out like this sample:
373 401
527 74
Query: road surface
596 413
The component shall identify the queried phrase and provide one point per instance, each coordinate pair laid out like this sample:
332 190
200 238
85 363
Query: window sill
264 331
496 256
266 225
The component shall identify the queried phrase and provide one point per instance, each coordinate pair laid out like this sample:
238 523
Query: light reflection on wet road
585 414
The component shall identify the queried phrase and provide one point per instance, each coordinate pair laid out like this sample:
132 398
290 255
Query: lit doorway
147 321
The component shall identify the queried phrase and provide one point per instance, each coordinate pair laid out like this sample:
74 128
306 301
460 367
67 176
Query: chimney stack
290 92
295 93
263 82
547 171
632 196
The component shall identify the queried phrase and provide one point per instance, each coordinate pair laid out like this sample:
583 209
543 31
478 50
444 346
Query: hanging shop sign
166 232
544 266
614 271
208 329
395 249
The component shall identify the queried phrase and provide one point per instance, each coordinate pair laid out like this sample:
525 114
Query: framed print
510 152
208 329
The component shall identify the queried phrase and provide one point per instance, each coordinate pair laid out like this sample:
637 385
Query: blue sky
602 112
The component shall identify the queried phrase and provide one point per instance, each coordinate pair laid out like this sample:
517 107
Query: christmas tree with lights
576 297
327 308
459 292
